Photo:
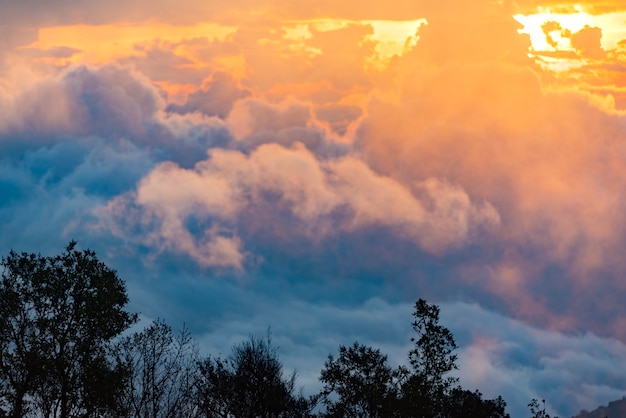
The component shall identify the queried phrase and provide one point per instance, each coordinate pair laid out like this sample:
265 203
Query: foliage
463 403
160 369
57 320
359 384
248 383
426 389
538 409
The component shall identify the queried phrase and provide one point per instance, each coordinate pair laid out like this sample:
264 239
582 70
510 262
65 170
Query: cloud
275 184
108 102
338 116
11 37
587 42
51 191
255 122
558 6
215 100
504 356
159 61
73 139
490 123
59 12
508 172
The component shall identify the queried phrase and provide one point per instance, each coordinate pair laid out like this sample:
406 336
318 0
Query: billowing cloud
109 102
274 182
215 100
486 121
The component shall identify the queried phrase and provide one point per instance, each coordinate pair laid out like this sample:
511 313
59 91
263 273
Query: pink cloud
325 196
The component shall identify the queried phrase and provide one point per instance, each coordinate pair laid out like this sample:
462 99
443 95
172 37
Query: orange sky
318 50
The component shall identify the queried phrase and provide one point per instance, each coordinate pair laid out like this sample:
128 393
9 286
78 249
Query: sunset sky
317 166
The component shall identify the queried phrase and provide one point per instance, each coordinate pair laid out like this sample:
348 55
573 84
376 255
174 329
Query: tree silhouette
248 384
426 389
58 317
538 409
359 384
160 369
463 403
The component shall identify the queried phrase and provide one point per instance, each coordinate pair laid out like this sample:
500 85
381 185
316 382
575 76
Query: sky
316 167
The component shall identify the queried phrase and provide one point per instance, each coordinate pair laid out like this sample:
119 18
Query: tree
160 369
57 320
425 390
248 384
538 409
463 403
359 384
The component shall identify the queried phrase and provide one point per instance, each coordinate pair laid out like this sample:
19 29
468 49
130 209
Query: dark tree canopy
467 404
359 384
249 384
433 356
426 389
58 317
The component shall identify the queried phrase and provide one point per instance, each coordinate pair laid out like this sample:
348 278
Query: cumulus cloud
454 166
490 122
254 122
110 102
75 138
323 196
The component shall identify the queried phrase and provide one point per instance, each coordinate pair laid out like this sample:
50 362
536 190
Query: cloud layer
277 162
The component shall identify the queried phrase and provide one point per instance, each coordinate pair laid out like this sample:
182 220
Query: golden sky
276 48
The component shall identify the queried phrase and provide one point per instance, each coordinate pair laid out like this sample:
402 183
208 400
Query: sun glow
613 27
394 37
562 42
391 37
102 43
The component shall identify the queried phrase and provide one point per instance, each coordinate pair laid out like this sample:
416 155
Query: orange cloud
104 43
588 42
